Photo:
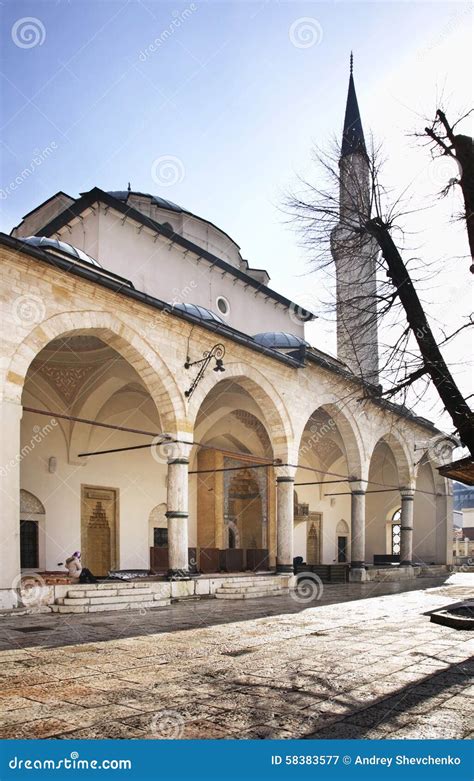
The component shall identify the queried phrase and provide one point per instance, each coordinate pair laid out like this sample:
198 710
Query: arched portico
432 508
84 364
273 412
238 431
389 488
331 456
119 336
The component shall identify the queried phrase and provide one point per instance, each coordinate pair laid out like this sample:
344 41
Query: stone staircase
253 587
433 570
112 595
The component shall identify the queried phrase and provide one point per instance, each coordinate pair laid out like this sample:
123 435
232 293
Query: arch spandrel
349 432
155 374
402 457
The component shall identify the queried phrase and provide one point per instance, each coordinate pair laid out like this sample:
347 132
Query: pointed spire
353 135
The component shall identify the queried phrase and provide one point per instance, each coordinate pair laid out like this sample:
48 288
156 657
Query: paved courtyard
362 662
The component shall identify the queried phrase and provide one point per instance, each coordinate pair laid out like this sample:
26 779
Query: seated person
77 572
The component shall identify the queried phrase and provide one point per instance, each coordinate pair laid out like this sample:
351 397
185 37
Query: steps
102 597
433 570
253 588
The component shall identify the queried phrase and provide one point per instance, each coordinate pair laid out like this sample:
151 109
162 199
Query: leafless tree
349 214
446 142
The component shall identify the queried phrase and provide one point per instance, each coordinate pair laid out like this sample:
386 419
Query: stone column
285 518
406 527
357 531
177 512
10 457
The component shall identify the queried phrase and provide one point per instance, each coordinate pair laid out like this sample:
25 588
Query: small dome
199 311
43 242
280 340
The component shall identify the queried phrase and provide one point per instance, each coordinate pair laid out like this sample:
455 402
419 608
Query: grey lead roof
199 311
162 203
44 242
279 339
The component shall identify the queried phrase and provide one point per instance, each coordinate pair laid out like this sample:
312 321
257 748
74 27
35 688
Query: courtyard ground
362 662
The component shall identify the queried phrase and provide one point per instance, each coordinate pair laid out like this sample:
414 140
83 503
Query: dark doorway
160 537
341 549
29 544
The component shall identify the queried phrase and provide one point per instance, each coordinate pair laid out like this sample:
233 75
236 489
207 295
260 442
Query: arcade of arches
236 486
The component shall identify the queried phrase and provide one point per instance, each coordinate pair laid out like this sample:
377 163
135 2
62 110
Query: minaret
355 254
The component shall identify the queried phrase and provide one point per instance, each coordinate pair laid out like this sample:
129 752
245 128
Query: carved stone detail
30 504
67 380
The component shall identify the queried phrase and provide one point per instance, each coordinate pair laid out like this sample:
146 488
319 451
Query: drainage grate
32 629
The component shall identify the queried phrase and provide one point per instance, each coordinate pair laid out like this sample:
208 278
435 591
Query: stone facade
314 417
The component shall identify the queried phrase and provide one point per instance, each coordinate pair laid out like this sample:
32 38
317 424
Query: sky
218 107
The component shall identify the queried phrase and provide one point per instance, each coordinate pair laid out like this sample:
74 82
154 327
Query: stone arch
349 433
30 504
155 374
274 413
401 454
342 527
157 518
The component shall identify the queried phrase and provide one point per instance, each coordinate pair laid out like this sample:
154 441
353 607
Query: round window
223 305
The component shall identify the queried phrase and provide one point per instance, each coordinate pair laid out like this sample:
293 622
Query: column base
284 568
357 575
178 574
406 564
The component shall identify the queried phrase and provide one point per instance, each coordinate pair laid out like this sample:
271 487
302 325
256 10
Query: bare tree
460 148
349 222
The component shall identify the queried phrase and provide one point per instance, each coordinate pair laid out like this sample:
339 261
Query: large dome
162 203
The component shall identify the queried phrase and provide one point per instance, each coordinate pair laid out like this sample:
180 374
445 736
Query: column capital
407 494
285 474
178 452
357 487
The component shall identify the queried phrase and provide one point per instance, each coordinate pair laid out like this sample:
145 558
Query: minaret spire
353 134
354 257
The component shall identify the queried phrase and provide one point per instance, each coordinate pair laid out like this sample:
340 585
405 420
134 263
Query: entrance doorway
342 549
29 547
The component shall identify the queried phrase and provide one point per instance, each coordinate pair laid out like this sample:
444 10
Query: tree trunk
464 150
454 402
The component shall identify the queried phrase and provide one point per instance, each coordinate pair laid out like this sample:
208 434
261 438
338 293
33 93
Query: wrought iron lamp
216 353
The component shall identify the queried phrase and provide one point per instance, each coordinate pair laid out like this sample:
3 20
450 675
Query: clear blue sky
227 93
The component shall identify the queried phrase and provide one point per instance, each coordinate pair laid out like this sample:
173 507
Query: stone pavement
362 662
